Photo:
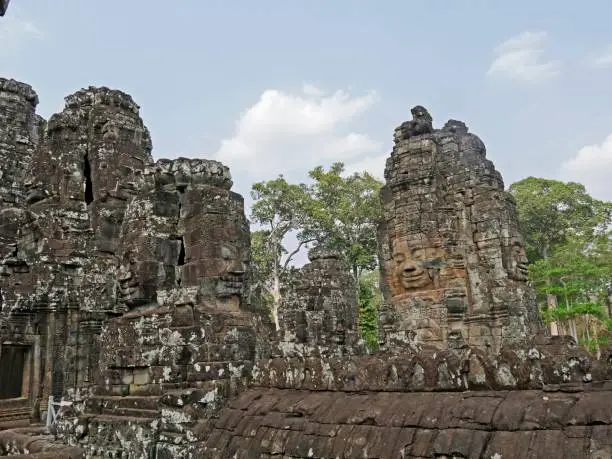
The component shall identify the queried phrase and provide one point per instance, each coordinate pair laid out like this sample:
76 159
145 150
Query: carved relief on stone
110 131
515 259
416 267
319 312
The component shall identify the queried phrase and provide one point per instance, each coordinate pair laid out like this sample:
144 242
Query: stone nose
236 267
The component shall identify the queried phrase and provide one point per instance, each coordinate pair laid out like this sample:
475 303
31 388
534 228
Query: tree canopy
569 244
552 212
342 214
278 209
335 211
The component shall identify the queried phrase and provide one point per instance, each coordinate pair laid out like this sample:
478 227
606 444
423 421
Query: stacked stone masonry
453 260
124 293
318 316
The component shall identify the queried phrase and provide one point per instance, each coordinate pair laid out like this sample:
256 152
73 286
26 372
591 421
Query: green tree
342 214
370 298
551 211
335 211
567 236
277 210
579 279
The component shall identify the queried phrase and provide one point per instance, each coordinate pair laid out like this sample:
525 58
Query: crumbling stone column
319 313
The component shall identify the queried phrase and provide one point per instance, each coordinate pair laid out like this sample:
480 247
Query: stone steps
15 417
118 436
127 406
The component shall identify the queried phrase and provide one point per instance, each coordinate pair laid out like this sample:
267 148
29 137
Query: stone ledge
21 89
35 443
511 424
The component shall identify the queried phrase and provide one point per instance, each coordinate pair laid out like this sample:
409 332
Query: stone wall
119 276
186 342
21 131
59 238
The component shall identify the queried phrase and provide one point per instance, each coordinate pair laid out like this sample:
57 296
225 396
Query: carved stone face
137 281
414 267
516 260
233 270
216 255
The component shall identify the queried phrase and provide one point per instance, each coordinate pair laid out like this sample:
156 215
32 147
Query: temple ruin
123 295
453 260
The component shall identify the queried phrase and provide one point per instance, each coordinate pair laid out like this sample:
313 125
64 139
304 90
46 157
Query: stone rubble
123 289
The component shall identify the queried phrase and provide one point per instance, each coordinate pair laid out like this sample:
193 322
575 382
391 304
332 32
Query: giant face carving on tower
515 259
416 268
232 277
184 240
216 242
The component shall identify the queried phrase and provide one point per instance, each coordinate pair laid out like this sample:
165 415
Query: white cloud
374 165
312 90
283 132
521 58
592 166
14 33
602 59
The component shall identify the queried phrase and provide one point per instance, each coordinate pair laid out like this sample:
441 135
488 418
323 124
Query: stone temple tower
453 261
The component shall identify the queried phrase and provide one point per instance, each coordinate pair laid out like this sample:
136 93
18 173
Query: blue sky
281 86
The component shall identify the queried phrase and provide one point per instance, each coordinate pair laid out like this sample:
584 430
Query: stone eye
226 253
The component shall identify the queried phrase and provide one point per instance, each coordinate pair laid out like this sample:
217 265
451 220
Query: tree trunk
276 296
573 329
551 301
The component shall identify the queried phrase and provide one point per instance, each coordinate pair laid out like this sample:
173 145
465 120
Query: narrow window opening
89 197
181 258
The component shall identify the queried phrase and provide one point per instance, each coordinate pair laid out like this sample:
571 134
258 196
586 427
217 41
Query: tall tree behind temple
569 242
342 214
335 212
277 210
552 212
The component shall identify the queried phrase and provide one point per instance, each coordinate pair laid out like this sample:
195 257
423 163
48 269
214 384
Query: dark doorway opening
12 364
